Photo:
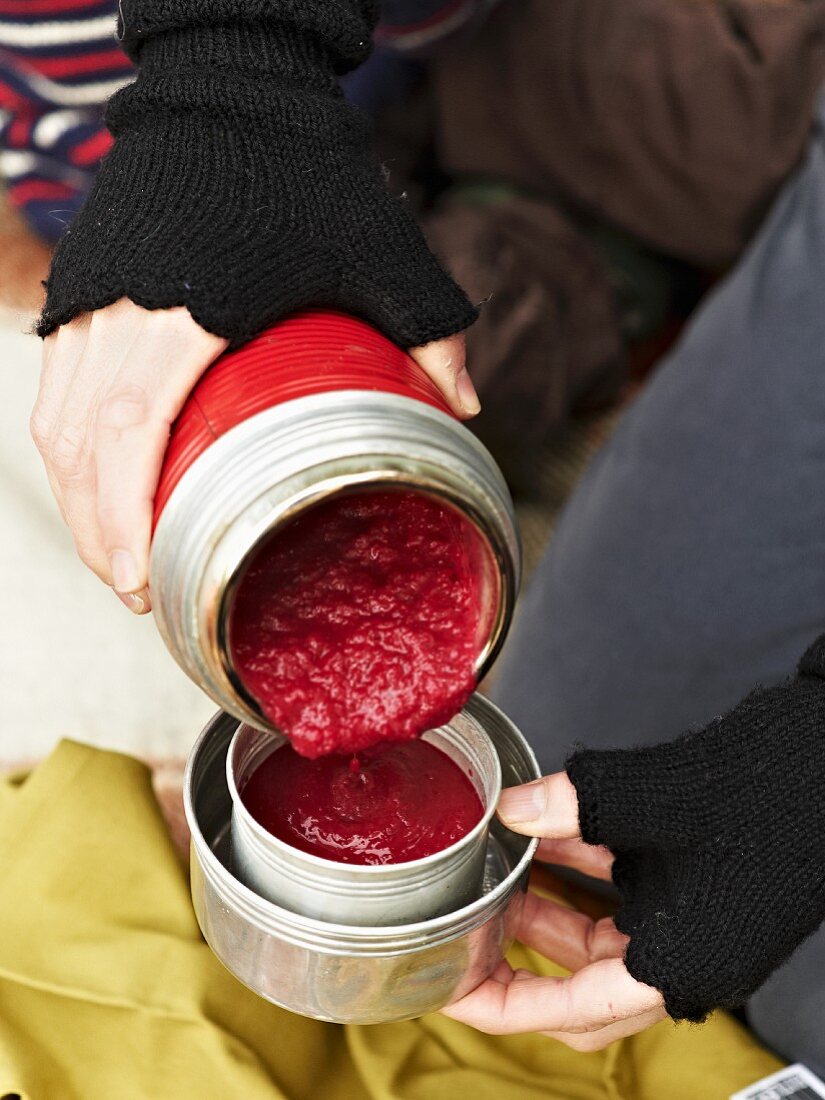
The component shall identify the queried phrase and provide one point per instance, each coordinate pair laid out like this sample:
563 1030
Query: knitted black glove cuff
719 839
342 28
242 186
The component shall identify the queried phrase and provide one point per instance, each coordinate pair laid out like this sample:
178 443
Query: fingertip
521 807
546 807
444 361
467 396
138 603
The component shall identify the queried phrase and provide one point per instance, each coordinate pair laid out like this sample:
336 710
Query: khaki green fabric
108 992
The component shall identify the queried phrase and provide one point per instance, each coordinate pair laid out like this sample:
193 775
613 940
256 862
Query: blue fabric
384 80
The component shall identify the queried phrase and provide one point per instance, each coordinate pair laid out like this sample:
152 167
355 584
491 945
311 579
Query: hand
600 1002
111 385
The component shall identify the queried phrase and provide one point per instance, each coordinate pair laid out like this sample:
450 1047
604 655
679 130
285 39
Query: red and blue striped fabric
60 62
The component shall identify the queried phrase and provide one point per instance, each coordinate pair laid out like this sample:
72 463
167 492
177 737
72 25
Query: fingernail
467 394
135 603
521 804
124 572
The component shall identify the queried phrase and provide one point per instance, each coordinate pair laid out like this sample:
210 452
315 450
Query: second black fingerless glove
242 185
720 843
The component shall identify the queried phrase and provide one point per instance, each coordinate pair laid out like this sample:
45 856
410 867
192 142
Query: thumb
549 807
445 362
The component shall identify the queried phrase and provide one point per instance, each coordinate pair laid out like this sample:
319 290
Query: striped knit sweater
60 61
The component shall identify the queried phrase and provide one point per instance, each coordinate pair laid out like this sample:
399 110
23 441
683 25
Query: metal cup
349 973
354 894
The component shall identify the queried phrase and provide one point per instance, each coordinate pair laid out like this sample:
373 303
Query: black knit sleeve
719 839
241 184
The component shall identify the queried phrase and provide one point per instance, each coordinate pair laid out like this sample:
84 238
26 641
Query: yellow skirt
108 992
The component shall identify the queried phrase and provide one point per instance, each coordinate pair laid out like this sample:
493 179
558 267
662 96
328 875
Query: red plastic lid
312 352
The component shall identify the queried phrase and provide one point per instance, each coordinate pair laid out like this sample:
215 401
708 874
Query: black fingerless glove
242 185
720 843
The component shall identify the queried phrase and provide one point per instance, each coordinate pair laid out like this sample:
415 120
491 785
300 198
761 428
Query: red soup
358 622
366 808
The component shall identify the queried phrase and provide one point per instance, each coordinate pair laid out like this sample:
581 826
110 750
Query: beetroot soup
358 622
391 803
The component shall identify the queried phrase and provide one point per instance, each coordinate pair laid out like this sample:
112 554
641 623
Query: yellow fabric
108 992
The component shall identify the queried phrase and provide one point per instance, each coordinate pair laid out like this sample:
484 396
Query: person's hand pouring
112 383
600 1002
245 192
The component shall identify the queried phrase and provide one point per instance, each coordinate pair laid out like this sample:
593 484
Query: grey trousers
689 564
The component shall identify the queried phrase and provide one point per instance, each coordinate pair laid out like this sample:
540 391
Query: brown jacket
674 119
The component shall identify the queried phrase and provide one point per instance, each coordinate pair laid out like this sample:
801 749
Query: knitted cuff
627 796
342 28
242 186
